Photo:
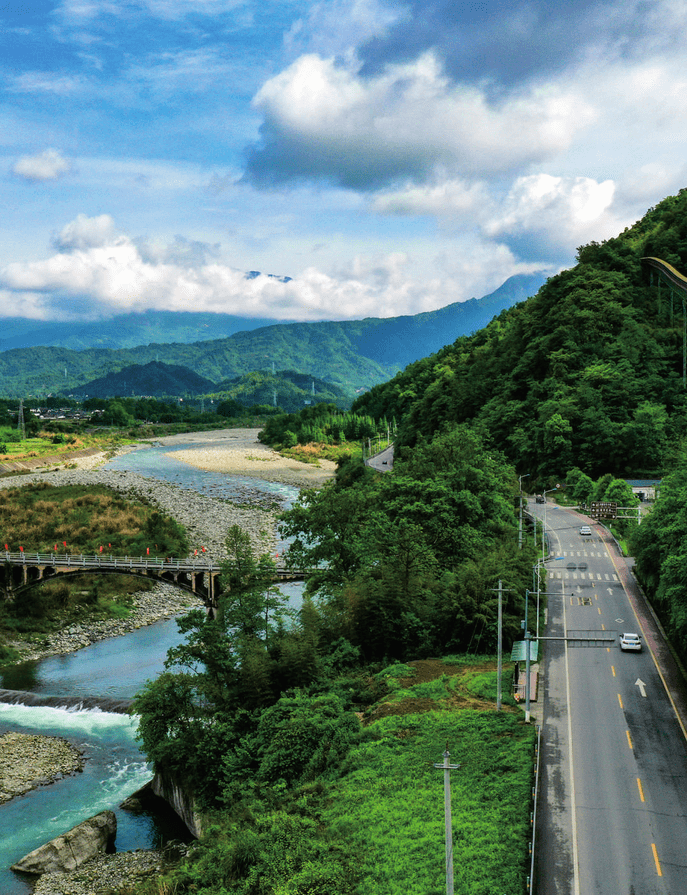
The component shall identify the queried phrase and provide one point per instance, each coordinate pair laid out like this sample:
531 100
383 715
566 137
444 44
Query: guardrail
98 561
533 816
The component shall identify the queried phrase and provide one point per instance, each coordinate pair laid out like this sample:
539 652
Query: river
110 669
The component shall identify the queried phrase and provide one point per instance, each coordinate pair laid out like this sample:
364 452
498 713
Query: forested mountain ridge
588 372
351 354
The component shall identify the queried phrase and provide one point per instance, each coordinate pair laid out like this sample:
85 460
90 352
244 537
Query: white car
585 530
630 642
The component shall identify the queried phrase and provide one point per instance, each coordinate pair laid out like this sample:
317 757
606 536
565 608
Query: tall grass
389 805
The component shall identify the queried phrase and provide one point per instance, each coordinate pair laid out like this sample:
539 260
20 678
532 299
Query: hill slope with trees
588 372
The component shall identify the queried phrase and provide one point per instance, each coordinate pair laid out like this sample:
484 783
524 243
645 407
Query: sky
369 158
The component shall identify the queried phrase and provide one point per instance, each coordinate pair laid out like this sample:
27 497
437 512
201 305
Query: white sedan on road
630 643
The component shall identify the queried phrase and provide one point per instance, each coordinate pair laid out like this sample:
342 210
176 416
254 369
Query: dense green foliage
406 563
256 710
321 423
333 808
659 545
588 372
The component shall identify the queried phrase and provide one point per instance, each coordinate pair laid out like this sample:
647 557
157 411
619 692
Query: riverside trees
391 552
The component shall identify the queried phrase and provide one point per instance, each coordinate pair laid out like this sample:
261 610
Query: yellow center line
603 626
598 609
613 670
639 787
620 700
629 742
656 861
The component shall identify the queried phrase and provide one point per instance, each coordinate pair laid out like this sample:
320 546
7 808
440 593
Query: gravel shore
30 760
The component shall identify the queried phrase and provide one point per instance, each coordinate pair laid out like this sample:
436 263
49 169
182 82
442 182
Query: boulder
68 851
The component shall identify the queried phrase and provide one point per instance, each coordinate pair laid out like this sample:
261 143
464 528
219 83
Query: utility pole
448 826
20 420
499 661
520 478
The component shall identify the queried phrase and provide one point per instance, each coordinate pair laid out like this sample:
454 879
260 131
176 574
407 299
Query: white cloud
48 165
100 272
86 233
46 82
441 199
566 210
323 120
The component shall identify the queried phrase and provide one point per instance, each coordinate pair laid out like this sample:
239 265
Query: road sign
603 509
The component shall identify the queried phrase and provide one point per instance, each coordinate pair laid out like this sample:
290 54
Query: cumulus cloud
323 121
445 198
48 165
564 209
86 233
97 271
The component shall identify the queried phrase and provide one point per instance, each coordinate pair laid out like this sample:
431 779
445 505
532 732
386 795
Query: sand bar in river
238 452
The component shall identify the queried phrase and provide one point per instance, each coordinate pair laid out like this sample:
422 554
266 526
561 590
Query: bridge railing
109 561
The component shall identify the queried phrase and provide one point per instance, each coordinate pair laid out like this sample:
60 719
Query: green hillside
353 355
153 379
588 372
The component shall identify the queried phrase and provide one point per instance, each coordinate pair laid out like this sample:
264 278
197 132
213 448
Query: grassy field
377 826
396 828
48 444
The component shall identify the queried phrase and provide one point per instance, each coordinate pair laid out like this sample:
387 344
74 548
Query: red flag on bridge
7 547
22 549
101 548
55 548
147 551
65 543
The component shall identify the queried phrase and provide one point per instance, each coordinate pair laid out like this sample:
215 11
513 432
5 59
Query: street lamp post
535 577
543 530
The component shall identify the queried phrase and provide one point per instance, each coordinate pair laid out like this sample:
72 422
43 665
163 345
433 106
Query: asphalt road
613 810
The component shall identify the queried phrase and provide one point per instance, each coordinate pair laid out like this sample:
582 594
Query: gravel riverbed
31 760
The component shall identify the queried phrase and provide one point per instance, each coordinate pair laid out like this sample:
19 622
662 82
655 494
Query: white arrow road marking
640 683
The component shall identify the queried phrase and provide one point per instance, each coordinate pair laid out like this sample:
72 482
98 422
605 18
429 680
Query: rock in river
68 851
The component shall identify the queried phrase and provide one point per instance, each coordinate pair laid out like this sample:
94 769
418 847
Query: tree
251 603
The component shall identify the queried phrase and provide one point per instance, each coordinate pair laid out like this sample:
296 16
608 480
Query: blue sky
389 157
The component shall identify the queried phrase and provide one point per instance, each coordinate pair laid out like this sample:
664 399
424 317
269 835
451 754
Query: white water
114 768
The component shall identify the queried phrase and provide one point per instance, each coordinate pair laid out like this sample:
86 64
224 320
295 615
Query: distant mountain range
289 390
353 355
126 330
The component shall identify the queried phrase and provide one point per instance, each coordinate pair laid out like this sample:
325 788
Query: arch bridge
19 572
